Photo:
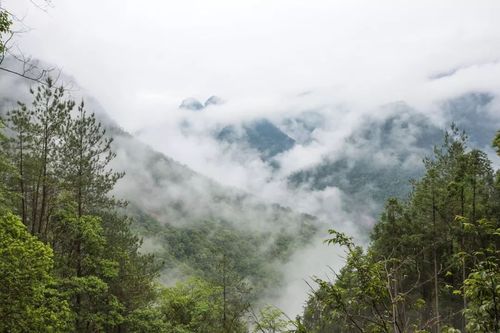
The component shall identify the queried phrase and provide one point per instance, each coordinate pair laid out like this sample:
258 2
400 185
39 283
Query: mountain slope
189 220
261 135
381 155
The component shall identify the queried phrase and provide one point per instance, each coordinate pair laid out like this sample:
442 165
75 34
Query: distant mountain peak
192 104
214 100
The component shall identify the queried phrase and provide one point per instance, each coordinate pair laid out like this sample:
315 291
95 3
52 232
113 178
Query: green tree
5 23
29 300
482 286
149 319
135 283
36 144
496 143
193 306
62 185
6 174
370 294
83 163
85 274
433 261
272 320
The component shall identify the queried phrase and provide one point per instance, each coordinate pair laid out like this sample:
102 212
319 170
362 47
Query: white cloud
142 58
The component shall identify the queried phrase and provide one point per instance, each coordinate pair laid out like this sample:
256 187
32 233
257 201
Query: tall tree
5 23
36 142
84 160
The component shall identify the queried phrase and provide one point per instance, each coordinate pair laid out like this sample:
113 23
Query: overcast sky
268 58
141 58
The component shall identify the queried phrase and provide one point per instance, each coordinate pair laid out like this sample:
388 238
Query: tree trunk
464 269
436 285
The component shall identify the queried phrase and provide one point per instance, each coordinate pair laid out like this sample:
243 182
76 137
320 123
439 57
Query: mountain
377 159
213 100
261 135
188 220
301 127
380 156
181 213
191 104
475 113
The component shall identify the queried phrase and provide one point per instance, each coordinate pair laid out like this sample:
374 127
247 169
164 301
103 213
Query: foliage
433 261
147 319
57 165
29 300
482 288
198 249
5 23
272 320
496 143
193 306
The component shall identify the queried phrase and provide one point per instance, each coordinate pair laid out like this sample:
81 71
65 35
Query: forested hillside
60 198
172 207
433 261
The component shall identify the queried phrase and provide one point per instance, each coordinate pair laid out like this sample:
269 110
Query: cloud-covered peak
192 104
214 100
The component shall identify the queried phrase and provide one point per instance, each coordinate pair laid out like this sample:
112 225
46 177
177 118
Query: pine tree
36 142
84 163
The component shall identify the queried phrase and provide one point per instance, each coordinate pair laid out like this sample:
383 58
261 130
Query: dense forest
72 256
433 261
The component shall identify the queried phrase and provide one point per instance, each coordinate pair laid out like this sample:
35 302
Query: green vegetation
72 260
433 263
30 299
69 262
199 249
5 23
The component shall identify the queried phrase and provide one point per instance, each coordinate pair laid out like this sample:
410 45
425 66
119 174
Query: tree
369 294
5 23
496 143
85 275
272 320
433 260
35 144
135 284
83 163
29 300
193 306
149 319
482 286
482 290
62 182
6 174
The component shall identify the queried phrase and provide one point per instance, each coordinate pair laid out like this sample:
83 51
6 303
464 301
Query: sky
268 58
265 58
142 58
